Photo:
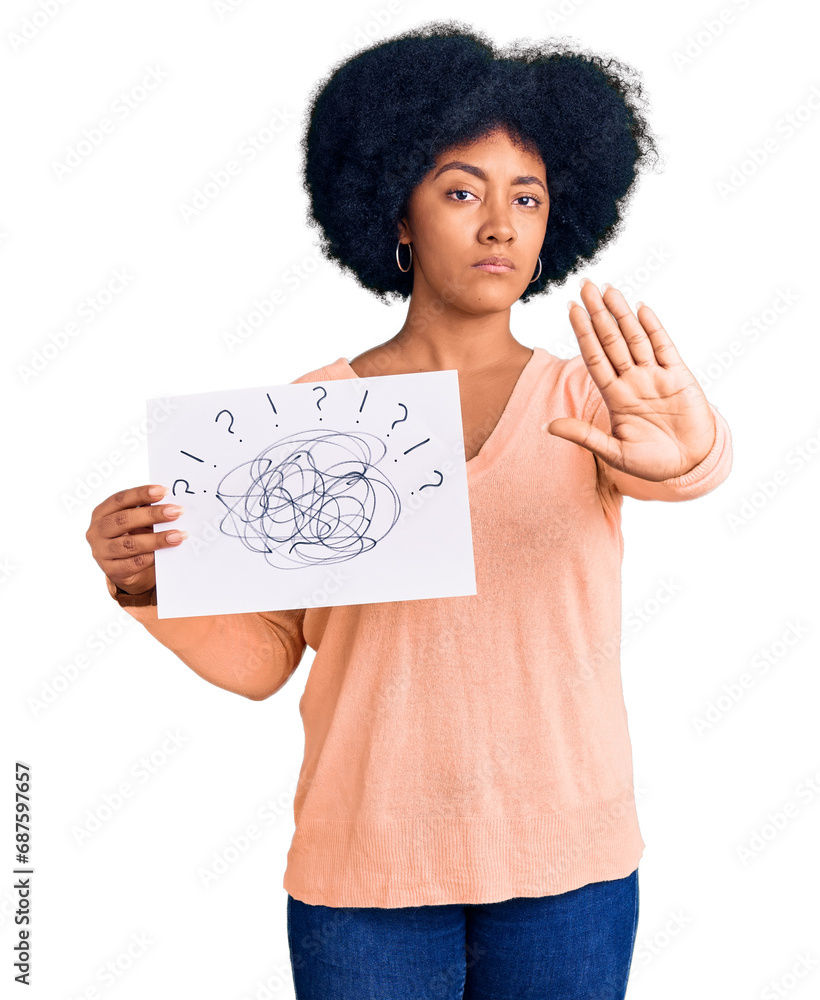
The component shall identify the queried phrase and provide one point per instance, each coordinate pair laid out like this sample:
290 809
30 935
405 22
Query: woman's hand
122 540
662 424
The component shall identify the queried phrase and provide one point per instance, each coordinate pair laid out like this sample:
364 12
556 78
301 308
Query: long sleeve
705 476
252 654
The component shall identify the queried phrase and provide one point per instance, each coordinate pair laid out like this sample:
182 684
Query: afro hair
375 125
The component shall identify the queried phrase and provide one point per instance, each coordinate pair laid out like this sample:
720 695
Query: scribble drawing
314 498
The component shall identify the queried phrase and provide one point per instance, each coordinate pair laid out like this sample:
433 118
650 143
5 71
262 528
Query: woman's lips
493 268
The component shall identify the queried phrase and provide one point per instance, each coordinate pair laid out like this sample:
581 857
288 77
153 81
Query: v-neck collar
516 406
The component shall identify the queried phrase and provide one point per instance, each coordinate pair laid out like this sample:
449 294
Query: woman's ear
403 224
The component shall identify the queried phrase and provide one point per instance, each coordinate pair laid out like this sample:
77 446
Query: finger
595 358
605 332
588 436
122 522
133 544
126 570
134 497
666 354
630 326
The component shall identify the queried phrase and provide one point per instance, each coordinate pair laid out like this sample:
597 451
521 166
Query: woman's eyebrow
458 165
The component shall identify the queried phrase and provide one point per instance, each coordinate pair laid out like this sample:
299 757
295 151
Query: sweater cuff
149 598
702 470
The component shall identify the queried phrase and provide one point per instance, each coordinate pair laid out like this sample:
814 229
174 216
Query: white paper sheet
308 495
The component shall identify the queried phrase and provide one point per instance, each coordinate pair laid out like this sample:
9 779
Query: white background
713 924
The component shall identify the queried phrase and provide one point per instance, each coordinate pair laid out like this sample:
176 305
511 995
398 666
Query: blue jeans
576 945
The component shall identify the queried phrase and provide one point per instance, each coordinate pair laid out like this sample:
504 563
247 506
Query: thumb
586 435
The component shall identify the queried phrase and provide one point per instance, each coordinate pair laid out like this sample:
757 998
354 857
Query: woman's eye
534 202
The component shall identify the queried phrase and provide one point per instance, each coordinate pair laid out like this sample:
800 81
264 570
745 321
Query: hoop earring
539 272
404 269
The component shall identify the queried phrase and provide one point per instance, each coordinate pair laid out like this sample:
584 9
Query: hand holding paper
122 538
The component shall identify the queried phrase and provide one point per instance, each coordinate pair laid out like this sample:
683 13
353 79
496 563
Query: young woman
465 816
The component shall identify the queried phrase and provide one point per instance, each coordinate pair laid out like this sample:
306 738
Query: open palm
661 422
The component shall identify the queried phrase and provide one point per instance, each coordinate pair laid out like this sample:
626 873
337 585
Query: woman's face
487 198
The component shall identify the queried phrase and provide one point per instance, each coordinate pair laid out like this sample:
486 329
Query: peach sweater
469 749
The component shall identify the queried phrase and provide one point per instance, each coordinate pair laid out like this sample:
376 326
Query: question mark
402 419
319 401
230 425
187 486
433 485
